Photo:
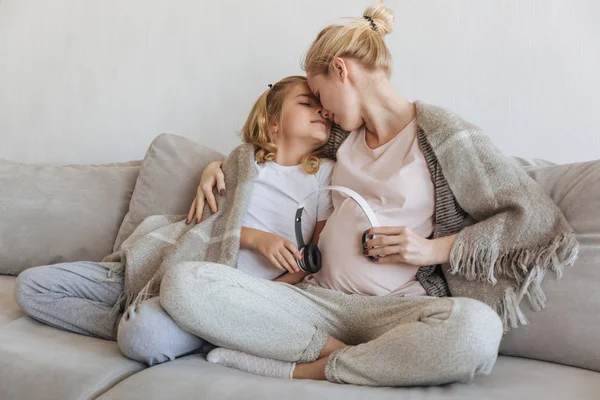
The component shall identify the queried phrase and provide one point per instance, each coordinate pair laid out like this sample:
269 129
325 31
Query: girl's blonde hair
358 38
265 112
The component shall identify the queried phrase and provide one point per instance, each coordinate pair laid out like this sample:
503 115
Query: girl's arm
282 253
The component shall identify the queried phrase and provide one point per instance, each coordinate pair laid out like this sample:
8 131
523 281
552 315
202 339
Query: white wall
88 81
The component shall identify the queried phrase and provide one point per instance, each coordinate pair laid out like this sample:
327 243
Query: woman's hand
211 176
399 244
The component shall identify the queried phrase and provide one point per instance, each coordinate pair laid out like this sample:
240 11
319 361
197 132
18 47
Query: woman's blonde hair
358 38
266 111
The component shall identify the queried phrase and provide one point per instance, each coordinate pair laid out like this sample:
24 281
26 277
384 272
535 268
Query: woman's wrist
441 248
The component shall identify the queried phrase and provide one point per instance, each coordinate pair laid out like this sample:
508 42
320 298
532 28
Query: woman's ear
339 69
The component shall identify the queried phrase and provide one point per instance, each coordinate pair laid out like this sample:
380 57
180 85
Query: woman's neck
386 113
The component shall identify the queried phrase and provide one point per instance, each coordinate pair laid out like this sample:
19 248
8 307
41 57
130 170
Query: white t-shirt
276 193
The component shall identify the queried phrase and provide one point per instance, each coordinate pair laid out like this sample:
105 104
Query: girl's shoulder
325 170
326 166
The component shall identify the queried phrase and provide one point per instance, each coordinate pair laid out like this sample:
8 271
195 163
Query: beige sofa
52 214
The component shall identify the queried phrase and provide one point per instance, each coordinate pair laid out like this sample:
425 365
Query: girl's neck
386 113
290 154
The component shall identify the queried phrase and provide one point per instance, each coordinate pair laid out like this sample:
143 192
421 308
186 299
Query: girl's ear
274 128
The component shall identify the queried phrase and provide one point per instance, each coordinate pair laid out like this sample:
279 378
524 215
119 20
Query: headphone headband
350 193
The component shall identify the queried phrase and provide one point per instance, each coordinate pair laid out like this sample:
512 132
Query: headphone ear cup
311 258
366 237
316 258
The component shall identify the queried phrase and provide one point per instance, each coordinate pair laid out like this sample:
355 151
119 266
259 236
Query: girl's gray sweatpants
392 340
78 298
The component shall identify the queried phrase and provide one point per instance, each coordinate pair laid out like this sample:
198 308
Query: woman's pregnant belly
345 268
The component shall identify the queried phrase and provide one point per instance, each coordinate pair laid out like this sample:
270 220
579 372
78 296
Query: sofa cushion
51 214
513 378
9 310
567 331
167 182
41 362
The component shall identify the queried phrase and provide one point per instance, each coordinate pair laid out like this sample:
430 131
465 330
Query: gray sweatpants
76 297
393 341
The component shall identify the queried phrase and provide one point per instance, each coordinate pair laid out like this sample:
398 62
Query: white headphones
311 255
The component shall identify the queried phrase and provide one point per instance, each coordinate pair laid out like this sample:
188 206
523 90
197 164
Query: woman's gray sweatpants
76 297
393 341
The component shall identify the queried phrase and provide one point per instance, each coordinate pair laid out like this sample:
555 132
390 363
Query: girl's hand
399 244
211 176
279 251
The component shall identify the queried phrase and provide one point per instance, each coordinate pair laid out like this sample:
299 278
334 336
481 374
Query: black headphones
311 255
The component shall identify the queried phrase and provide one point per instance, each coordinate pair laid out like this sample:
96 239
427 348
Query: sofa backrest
51 214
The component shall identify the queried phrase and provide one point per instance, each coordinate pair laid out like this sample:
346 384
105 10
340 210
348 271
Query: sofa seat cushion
41 362
9 310
192 377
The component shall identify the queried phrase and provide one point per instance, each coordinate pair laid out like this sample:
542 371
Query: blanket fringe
144 294
509 311
116 273
526 266
117 308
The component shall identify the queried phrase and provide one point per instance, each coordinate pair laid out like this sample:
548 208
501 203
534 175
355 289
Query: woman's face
339 99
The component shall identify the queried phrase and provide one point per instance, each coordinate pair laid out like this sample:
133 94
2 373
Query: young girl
286 127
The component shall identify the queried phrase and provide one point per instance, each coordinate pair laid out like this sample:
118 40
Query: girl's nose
324 113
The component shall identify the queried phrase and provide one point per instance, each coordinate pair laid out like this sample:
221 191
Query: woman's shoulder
432 118
439 124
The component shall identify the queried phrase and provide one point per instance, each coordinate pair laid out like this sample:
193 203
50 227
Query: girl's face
339 99
301 118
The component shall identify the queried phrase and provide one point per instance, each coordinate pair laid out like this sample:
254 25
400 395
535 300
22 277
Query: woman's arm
401 244
211 175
